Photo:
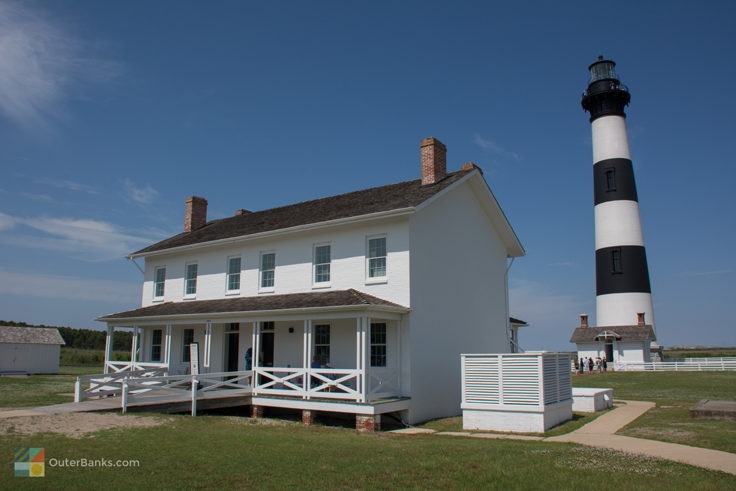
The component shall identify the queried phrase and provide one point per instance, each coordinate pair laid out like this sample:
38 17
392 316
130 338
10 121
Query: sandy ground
73 425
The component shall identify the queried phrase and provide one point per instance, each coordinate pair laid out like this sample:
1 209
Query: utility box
516 392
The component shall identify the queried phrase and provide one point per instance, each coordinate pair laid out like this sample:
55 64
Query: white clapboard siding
516 379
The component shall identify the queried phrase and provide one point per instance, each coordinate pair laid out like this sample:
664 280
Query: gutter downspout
508 311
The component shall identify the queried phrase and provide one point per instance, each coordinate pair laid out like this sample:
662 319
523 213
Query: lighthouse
623 292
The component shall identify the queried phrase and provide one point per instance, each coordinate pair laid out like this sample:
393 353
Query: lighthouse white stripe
610 140
617 223
620 309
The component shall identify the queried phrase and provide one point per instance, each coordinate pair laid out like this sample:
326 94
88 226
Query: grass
76 356
226 452
456 424
41 390
674 393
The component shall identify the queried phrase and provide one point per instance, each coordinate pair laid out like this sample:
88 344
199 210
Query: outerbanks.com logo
29 462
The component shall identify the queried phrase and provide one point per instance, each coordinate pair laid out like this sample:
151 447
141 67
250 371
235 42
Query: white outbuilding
29 349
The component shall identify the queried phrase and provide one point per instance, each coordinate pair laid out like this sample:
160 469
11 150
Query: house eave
254 314
279 232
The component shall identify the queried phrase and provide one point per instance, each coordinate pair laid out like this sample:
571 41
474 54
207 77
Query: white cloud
143 195
37 197
69 185
6 221
495 148
39 62
88 240
68 288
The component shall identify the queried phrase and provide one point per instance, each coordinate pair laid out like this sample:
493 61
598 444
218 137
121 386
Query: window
156 345
322 259
188 340
233 274
610 179
378 344
377 257
268 269
616 267
159 282
190 283
322 343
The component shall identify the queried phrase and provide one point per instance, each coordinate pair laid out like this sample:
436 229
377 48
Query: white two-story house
359 303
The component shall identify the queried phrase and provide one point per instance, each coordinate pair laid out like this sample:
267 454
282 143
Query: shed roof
30 335
620 333
336 298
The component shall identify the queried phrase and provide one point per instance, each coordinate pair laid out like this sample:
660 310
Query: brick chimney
640 319
434 160
195 213
583 320
471 166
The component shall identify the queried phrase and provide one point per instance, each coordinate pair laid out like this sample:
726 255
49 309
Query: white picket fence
689 365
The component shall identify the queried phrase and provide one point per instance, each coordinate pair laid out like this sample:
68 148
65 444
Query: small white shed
29 349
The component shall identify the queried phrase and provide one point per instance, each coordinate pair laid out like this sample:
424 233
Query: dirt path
73 425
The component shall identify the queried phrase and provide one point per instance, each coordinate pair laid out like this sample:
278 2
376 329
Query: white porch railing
326 383
161 389
676 366
124 366
383 383
110 383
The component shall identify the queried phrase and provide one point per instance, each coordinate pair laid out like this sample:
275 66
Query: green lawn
225 452
41 390
456 424
674 393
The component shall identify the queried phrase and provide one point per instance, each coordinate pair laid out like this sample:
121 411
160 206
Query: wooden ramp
162 403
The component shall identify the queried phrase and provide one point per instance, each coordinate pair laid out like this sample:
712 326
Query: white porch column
364 358
167 356
256 355
108 346
134 347
307 355
207 344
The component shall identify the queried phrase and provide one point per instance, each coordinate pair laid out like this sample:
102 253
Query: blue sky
112 113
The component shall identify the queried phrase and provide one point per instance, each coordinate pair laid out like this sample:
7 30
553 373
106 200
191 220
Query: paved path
600 433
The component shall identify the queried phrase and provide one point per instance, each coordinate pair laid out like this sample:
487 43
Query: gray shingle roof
260 303
30 335
624 333
384 198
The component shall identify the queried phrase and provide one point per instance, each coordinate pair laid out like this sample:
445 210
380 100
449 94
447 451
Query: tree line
84 338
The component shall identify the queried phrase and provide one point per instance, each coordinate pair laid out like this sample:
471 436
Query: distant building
617 343
29 349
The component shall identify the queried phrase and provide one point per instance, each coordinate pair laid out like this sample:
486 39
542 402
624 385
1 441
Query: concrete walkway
601 433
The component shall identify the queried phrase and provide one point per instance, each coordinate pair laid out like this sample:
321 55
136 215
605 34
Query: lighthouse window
616 261
610 179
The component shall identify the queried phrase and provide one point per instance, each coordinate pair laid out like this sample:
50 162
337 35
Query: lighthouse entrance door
609 351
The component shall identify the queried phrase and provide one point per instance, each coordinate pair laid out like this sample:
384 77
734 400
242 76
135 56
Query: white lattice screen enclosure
516 392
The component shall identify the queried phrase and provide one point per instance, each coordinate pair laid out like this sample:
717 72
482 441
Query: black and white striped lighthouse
622 275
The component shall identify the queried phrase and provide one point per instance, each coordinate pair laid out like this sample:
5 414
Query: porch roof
623 333
260 304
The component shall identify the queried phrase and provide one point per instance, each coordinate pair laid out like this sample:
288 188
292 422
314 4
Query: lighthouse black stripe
613 179
621 269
